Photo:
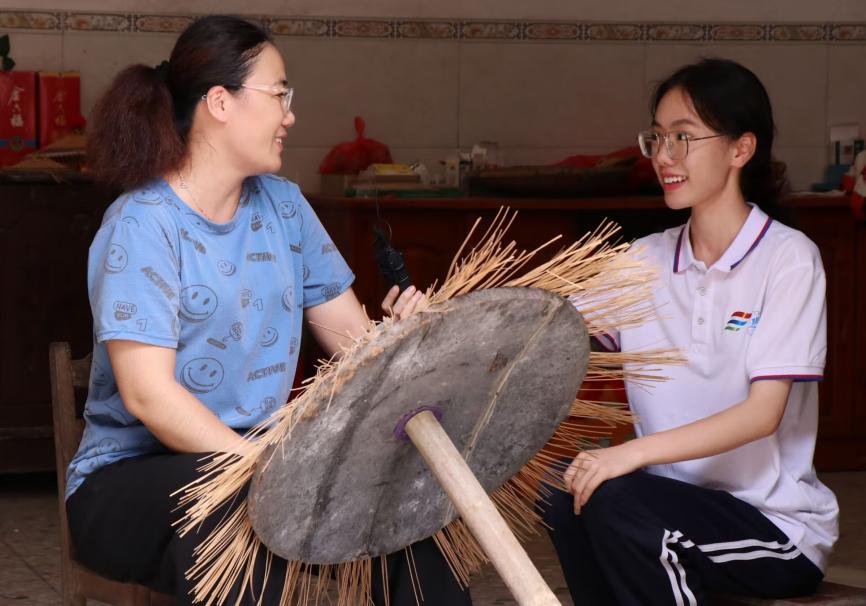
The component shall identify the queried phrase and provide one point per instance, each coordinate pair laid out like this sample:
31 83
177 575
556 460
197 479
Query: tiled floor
30 556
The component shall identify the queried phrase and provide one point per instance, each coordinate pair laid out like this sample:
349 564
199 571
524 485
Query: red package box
17 116
59 105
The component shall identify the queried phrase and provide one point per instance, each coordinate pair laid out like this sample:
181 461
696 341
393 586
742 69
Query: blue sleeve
326 273
133 280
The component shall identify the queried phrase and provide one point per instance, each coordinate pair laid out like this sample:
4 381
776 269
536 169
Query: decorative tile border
30 20
97 22
611 31
738 33
531 31
161 23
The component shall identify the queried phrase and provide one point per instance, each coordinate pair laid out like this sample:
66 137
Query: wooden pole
478 511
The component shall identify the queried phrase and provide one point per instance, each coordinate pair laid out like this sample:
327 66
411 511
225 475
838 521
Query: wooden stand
477 510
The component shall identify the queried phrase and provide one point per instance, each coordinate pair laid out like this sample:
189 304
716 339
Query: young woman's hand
406 304
592 467
756 417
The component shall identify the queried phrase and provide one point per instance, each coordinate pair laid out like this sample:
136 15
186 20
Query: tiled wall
542 89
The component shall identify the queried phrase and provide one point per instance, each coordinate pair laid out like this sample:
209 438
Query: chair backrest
66 375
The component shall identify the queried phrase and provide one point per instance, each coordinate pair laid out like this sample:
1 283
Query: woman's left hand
592 467
410 301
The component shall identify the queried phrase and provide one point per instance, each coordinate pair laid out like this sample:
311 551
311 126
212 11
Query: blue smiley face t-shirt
228 297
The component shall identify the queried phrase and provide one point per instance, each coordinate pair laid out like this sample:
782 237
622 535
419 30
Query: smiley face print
226 268
99 377
197 303
116 260
287 210
287 299
269 336
202 375
147 196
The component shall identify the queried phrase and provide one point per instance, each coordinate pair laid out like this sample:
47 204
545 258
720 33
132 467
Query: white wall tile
663 59
301 165
406 91
551 95
805 165
35 52
100 56
795 77
847 86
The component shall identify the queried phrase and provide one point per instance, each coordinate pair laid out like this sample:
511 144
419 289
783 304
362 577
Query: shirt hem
798 374
344 286
110 335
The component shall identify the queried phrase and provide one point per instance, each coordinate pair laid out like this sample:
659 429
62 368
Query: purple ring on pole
400 427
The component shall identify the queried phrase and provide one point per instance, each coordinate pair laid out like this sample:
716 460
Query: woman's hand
590 468
404 305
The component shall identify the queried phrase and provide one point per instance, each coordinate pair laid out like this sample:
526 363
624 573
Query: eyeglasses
284 93
676 144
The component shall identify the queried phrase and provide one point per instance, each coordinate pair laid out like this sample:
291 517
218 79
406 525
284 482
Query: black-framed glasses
676 143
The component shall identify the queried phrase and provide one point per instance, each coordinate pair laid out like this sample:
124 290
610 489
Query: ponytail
132 138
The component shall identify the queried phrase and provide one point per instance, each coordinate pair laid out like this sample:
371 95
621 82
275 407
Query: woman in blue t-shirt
199 279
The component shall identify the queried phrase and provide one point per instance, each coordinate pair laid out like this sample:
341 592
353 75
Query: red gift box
17 116
59 105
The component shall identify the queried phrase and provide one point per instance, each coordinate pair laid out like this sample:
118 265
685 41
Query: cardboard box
17 116
336 184
59 105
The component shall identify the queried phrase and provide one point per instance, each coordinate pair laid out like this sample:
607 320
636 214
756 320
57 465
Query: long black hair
140 126
732 101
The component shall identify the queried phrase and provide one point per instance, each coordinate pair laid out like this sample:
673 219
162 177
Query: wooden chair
78 584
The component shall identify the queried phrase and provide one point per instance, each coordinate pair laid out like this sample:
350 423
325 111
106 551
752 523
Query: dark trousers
120 522
643 539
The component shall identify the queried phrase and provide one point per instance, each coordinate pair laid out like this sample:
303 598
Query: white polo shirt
757 314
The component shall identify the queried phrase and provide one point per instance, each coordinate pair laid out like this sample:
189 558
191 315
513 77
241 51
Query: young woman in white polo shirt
717 493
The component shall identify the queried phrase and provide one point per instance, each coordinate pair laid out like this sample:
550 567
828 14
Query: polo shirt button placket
703 311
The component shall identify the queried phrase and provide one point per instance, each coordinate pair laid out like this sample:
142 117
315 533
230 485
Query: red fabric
17 116
642 173
352 157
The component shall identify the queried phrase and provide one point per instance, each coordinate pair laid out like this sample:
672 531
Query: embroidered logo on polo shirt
743 319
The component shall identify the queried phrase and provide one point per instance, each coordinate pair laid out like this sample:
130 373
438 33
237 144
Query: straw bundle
609 286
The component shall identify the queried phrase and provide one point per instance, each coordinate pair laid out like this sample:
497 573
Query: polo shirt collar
748 238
